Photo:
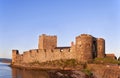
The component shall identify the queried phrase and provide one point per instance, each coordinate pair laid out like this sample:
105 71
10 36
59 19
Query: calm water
8 72
5 71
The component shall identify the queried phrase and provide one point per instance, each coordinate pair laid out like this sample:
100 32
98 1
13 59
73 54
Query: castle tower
100 48
47 42
14 55
84 47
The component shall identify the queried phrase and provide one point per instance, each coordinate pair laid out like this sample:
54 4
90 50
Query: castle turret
14 55
84 47
100 48
47 42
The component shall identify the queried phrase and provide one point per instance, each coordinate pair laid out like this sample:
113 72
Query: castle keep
85 49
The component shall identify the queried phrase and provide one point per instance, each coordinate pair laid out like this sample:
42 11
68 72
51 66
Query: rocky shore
69 74
105 71
54 73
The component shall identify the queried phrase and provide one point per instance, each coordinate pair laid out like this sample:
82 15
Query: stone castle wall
100 47
85 49
40 55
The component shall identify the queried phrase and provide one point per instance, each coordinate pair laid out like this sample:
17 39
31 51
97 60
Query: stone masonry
85 49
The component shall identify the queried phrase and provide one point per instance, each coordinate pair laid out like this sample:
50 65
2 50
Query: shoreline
92 70
45 67
51 67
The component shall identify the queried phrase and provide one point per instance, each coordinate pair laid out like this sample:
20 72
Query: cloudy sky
22 21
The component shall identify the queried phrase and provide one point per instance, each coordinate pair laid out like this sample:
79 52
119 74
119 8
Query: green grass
105 61
87 72
63 63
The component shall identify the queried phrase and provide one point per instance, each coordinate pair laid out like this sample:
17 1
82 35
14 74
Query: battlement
48 50
84 35
100 39
14 55
47 42
15 51
48 35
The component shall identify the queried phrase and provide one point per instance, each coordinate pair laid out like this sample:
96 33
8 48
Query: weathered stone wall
14 55
84 47
112 56
40 55
100 48
47 42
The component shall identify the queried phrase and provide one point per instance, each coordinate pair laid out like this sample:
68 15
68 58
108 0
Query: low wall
40 55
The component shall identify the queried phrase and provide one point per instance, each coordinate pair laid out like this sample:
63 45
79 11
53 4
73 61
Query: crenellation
85 35
33 50
26 52
26 57
85 49
47 42
14 55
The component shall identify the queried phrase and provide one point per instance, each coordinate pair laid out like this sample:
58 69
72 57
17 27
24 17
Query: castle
85 49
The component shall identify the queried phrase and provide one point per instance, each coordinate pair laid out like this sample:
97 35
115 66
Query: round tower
100 48
84 48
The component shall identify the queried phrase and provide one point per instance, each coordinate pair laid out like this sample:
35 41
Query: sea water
7 72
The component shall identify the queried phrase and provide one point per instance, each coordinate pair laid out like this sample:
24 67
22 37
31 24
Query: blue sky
22 21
